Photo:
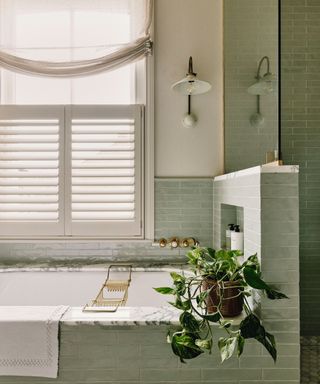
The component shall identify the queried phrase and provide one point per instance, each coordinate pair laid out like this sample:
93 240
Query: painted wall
301 139
186 28
250 32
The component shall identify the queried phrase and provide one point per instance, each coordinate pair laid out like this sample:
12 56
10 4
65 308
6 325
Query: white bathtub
77 287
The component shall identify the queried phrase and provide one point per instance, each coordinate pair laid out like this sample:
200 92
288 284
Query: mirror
250 82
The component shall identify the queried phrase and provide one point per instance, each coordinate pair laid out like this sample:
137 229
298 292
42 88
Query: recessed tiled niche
230 214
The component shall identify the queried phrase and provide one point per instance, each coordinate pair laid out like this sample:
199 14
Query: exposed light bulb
191 87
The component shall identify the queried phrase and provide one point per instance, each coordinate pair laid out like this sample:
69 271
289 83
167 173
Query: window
63 31
72 150
71 171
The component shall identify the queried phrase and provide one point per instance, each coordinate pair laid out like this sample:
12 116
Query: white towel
29 343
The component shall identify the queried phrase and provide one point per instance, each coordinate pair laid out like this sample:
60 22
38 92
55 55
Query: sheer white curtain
62 57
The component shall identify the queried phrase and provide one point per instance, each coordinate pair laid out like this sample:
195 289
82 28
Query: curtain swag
125 55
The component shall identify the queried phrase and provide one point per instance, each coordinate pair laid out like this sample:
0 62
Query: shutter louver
29 172
105 171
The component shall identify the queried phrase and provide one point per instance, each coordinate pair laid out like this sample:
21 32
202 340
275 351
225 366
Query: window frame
146 165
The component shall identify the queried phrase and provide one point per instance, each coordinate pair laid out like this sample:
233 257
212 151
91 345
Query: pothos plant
194 335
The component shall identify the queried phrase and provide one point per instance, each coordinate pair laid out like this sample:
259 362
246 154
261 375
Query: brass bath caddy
107 300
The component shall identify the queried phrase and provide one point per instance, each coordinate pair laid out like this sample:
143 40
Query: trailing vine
195 333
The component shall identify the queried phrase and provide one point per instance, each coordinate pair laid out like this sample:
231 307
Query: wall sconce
190 86
264 85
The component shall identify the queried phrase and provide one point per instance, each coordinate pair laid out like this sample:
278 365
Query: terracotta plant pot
232 302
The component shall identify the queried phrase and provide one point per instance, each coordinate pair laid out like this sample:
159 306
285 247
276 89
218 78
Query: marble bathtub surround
124 316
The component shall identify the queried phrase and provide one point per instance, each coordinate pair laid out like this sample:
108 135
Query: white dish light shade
190 85
264 86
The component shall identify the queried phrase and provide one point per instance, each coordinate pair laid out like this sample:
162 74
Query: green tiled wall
141 355
183 207
300 20
250 32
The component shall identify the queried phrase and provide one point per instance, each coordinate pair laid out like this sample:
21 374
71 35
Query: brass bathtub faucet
176 242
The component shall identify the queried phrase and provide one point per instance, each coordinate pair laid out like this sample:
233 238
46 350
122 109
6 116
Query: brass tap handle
163 242
185 243
192 241
174 242
189 242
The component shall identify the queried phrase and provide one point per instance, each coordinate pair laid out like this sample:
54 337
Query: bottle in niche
237 239
228 235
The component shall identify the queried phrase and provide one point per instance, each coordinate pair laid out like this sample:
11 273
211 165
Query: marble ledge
78 263
152 267
128 316
259 170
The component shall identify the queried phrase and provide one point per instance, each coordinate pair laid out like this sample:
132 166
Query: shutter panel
31 177
105 174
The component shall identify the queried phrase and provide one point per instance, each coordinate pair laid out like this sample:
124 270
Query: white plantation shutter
105 173
71 171
31 171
